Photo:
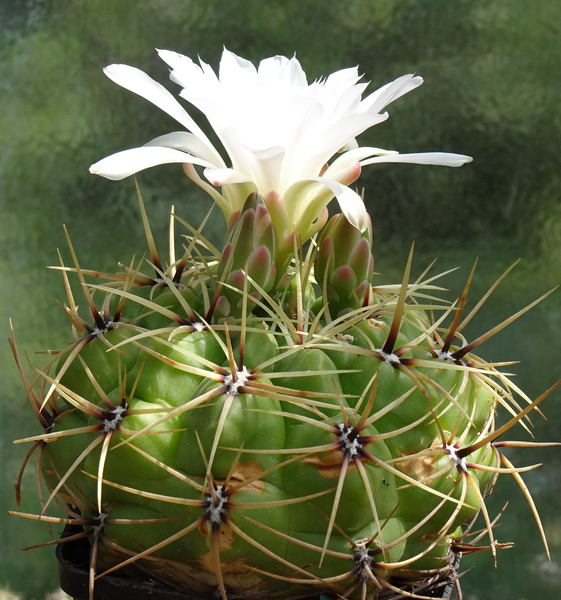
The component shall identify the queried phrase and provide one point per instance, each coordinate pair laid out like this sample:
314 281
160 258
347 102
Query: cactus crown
266 419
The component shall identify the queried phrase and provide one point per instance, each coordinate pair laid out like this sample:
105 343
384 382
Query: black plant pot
73 573
73 570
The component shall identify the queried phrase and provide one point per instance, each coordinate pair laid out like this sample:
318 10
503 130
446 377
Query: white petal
352 144
350 202
444 159
351 126
379 99
186 73
345 173
142 84
234 69
266 167
341 93
360 153
279 70
178 62
220 177
344 78
125 163
187 142
271 68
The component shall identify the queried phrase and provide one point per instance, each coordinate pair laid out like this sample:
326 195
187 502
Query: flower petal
345 173
349 157
142 84
304 202
281 71
444 159
383 96
351 126
352 144
219 177
232 67
186 142
350 202
128 162
266 167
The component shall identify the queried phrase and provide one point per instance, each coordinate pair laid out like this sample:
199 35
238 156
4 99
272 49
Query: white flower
279 133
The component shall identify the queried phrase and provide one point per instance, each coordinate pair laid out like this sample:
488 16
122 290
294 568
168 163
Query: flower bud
344 264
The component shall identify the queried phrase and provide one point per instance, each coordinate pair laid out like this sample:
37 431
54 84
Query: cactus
267 419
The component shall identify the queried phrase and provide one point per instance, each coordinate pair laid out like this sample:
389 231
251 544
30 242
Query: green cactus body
274 449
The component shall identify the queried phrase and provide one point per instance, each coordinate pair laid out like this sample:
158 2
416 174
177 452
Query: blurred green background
492 90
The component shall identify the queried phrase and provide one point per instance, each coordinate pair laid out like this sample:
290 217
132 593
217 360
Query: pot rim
73 570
